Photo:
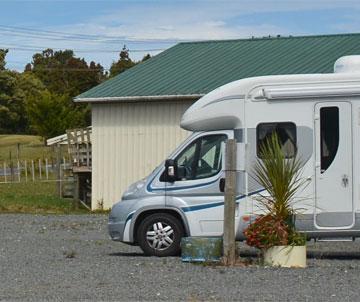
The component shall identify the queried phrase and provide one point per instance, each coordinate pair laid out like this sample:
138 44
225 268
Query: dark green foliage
122 64
3 53
63 73
64 76
15 92
51 114
39 100
146 57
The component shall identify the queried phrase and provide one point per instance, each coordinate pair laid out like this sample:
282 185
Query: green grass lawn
30 197
30 147
34 198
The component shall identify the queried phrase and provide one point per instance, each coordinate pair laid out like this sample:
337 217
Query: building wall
128 141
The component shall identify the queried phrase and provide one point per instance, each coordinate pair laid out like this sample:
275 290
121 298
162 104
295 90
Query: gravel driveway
67 258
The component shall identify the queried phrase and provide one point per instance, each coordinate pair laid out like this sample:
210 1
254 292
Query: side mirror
170 170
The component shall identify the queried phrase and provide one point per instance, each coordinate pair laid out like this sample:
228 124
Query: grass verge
34 198
29 147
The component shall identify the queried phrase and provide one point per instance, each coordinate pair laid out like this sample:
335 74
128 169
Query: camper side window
329 135
286 133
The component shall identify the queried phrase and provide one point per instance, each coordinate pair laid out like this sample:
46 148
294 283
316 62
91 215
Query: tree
51 114
63 73
3 53
28 87
146 57
15 91
122 64
8 118
28 67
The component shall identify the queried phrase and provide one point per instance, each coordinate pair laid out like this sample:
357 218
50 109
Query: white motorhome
316 116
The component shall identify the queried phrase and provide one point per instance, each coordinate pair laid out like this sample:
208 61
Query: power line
40 48
86 36
57 35
51 38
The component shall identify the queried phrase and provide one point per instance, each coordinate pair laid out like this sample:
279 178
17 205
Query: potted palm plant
273 232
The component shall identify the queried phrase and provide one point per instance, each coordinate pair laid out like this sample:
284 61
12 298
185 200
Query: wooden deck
79 148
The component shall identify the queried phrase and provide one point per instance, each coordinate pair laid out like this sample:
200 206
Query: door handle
222 185
345 180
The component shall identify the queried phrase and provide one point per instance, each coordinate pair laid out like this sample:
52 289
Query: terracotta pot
286 256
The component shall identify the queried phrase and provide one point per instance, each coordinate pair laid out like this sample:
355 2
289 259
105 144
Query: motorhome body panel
320 214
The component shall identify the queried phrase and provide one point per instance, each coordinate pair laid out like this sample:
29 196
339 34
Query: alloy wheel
160 236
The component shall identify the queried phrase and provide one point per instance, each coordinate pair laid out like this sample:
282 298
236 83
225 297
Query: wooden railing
79 147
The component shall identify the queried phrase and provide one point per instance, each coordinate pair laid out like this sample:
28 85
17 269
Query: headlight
134 188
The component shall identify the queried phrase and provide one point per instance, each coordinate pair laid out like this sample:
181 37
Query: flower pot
286 256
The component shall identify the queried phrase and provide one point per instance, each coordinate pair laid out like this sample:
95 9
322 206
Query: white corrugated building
128 141
136 115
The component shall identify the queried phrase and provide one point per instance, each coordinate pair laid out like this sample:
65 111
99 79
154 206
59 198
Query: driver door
197 191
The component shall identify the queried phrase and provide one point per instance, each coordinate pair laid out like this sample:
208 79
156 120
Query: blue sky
97 30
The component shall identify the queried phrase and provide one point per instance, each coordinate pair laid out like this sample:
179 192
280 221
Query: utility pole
229 255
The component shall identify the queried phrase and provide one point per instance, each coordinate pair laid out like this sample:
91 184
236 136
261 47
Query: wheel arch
138 217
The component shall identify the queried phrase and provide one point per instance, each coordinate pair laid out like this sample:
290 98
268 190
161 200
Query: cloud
197 20
161 23
349 23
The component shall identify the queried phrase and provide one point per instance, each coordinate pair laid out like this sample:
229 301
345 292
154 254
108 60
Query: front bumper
116 230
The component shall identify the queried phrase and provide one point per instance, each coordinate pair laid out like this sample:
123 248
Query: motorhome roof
245 87
208 113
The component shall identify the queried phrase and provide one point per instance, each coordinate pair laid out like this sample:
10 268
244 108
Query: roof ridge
271 38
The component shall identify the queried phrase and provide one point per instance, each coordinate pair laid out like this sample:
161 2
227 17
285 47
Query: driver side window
202 158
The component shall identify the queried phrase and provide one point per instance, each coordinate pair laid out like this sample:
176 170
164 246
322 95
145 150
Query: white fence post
26 171
40 174
33 170
5 171
46 169
19 171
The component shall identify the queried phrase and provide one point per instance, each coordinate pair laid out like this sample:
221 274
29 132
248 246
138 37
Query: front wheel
160 235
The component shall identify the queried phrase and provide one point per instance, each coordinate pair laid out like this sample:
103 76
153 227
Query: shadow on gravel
129 254
333 255
253 253
315 255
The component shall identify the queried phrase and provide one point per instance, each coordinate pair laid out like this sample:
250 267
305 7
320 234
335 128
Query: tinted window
202 158
286 133
329 135
187 160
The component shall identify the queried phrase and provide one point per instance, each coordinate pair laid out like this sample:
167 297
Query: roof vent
347 64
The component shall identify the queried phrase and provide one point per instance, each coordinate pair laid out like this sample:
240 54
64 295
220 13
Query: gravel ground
67 258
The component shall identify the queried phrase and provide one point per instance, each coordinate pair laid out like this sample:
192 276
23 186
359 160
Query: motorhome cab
316 116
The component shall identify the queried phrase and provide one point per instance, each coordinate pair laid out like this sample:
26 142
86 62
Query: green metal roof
195 68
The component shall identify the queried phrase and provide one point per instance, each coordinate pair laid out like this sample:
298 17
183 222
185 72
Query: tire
160 235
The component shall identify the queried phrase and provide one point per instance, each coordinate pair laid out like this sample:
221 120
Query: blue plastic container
201 249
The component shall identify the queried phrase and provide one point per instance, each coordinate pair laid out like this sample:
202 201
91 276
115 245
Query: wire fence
46 170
